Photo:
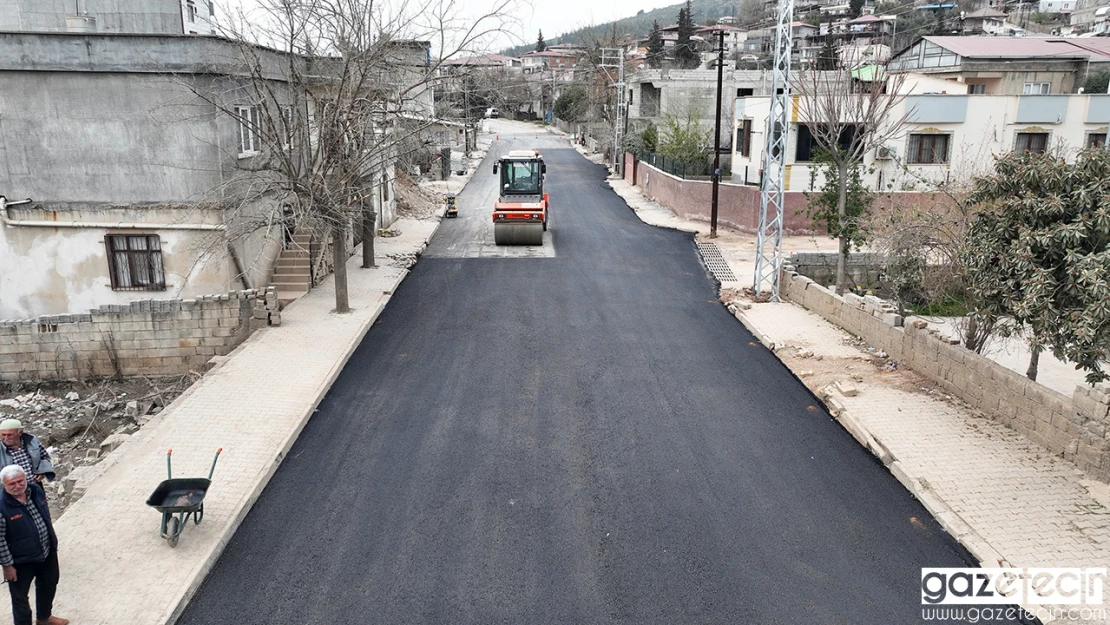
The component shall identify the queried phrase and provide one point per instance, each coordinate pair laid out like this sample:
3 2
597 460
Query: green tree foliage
540 45
1040 253
1097 83
855 7
572 104
650 138
685 55
655 46
684 140
822 204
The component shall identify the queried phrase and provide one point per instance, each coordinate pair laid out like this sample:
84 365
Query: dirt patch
414 202
81 422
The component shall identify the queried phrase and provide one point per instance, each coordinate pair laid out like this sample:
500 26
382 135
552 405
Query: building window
135 262
211 8
976 88
249 141
807 148
191 12
927 149
1096 140
1035 142
744 138
1036 88
744 92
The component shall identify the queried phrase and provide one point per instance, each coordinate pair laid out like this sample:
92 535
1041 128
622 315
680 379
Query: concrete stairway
292 273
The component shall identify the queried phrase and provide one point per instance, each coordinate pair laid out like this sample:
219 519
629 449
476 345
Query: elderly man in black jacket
28 547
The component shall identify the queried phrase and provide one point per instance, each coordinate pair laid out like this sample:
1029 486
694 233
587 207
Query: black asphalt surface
588 438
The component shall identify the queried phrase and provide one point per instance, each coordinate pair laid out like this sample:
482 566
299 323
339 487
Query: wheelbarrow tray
182 494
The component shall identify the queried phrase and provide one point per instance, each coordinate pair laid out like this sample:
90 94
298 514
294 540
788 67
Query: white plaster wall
65 270
989 130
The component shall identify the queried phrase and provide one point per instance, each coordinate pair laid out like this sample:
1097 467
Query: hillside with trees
639 25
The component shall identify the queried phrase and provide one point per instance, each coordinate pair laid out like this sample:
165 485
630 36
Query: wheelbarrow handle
213 469
169 467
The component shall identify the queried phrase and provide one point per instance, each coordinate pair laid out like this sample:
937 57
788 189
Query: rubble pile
81 423
414 202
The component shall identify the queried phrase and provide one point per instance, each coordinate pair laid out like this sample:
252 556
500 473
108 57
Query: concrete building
1089 12
1056 6
946 139
144 157
986 21
153 17
1006 65
478 63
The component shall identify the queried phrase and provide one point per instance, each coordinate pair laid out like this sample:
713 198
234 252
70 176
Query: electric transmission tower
614 57
768 260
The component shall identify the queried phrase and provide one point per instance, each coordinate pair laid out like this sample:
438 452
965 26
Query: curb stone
763 338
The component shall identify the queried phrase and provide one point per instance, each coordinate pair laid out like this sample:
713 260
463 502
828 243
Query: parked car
492 113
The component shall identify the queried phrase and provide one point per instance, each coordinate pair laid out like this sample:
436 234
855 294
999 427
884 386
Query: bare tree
326 93
847 118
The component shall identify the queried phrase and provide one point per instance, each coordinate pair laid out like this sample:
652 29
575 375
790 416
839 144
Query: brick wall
149 337
1076 428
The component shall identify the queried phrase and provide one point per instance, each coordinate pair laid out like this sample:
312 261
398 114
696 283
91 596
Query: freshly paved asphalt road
583 438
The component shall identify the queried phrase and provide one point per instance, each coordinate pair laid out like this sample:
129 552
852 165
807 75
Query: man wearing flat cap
24 450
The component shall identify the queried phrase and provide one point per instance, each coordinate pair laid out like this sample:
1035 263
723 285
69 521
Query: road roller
520 214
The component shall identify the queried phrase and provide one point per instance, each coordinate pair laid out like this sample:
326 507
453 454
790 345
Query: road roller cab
521 212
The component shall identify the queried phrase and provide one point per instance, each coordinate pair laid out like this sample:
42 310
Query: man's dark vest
23 538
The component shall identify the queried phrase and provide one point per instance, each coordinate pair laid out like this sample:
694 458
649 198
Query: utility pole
768 259
717 135
614 57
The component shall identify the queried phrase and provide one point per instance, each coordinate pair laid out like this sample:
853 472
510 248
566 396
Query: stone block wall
866 269
149 337
1076 428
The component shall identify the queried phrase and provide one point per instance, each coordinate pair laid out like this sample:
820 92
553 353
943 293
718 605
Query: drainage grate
716 264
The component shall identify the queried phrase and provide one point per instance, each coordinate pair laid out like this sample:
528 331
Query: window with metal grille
927 149
977 87
249 141
135 262
744 138
1035 142
1096 140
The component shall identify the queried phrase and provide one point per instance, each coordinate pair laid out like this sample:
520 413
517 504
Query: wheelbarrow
180 498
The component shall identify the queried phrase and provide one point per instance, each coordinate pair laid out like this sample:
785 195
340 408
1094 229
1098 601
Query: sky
554 17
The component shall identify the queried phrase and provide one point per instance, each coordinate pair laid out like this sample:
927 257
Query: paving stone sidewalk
1009 501
115 568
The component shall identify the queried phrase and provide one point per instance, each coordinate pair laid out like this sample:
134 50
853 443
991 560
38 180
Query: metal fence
701 170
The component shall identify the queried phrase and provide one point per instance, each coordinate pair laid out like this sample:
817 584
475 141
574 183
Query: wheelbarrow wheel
173 531
198 515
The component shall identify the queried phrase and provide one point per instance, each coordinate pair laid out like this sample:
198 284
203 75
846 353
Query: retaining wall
738 205
865 268
149 337
1076 428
